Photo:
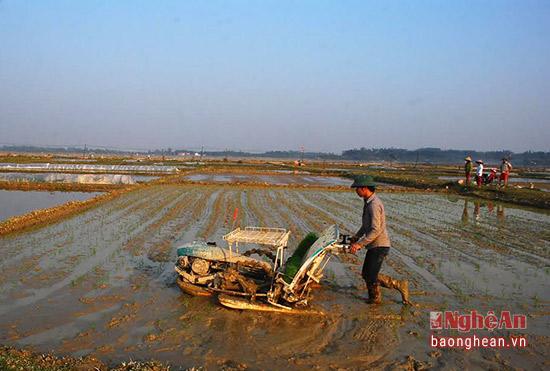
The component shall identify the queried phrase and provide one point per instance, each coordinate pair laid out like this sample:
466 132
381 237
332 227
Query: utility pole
200 157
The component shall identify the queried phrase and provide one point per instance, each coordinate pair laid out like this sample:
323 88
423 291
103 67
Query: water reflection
75 178
500 213
21 202
478 213
465 216
91 168
477 207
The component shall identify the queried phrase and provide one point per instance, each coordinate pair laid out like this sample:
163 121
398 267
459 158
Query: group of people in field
482 178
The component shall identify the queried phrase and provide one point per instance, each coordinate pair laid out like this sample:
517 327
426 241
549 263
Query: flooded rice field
14 203
102 282
269 179
75 178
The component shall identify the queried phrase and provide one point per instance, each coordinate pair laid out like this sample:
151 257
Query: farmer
479 173
489 178
505 169
374 237
468 169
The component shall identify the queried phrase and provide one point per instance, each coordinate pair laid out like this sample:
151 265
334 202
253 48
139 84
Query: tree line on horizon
421 155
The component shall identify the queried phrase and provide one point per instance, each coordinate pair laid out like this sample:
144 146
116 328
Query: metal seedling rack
274 237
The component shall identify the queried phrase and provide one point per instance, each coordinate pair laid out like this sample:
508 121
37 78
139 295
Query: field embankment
62 187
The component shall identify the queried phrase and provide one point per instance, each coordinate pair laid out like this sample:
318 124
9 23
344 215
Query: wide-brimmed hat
468 158
363 181
479 161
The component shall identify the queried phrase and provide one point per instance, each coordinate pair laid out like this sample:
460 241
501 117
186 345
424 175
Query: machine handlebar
342 246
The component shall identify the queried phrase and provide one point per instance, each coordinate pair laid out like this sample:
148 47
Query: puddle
14 203
76 178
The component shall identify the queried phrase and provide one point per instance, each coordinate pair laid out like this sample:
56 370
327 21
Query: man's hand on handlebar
354 247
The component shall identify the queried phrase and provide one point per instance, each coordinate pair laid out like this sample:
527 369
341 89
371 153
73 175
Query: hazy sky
261 75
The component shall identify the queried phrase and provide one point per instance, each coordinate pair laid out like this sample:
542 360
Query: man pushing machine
374 237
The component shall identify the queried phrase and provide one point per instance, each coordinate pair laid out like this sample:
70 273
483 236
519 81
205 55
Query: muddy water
14 203
102 283
269 179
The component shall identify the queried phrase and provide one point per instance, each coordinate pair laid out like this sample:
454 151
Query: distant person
490 178
505 168
479 173
468 169
373 236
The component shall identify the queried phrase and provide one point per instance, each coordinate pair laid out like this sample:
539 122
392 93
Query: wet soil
101 283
